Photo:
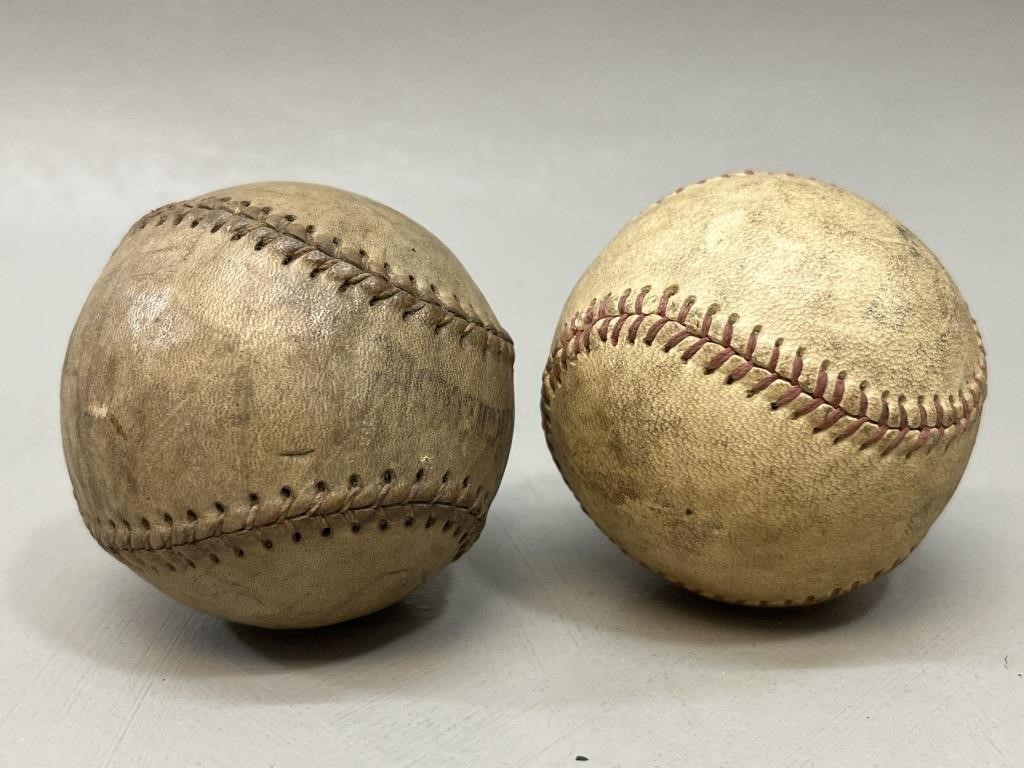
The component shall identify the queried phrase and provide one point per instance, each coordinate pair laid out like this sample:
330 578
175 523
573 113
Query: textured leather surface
285 404
765 388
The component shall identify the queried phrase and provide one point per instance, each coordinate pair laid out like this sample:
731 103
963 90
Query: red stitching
622 302
763 384
652 334
727 330
834 415
695 347
797 366
752 341
674 340
684 310
740 371
663 304
614 314
839 390
719 360
709 316
774 359
631 335
640 297
788 396
618 328
810 407
851 430
822 381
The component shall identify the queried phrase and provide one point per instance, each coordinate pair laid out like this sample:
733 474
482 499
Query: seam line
346 265
615 320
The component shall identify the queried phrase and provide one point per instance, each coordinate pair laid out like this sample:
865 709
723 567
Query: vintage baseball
285 404
765 389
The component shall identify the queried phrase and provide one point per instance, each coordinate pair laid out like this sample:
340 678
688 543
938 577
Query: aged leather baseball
285 404
765 389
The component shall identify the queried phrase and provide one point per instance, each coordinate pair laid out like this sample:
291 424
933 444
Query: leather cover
765 388
285 404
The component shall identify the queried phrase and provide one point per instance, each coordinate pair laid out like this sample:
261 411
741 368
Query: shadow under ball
285 404
765 389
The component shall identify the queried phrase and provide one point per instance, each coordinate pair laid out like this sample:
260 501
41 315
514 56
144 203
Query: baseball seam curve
608 317
344 264
317 503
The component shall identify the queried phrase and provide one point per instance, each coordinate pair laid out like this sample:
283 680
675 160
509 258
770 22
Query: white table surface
524 135
543 643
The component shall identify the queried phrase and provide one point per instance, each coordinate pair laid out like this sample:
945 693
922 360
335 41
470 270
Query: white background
524 135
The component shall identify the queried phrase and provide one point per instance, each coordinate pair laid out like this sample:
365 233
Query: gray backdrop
524 135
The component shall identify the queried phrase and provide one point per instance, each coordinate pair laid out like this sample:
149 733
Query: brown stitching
167 556
289 527
577 333
125 539
343 264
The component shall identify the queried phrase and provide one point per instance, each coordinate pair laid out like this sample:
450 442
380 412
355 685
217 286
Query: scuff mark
97 410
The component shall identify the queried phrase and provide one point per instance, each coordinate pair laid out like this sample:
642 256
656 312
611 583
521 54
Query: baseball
765 389
285 404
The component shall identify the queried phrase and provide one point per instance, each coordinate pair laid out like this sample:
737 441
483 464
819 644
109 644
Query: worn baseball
765 389
285 405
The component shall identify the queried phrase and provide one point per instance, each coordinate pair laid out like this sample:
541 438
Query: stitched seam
733 175
257 517
343 264
381 511
615 320
467 528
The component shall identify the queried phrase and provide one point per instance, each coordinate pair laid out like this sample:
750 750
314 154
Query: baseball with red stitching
765 388
285 404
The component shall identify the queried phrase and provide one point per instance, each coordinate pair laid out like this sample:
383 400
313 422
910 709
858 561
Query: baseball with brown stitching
765 389
285 404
